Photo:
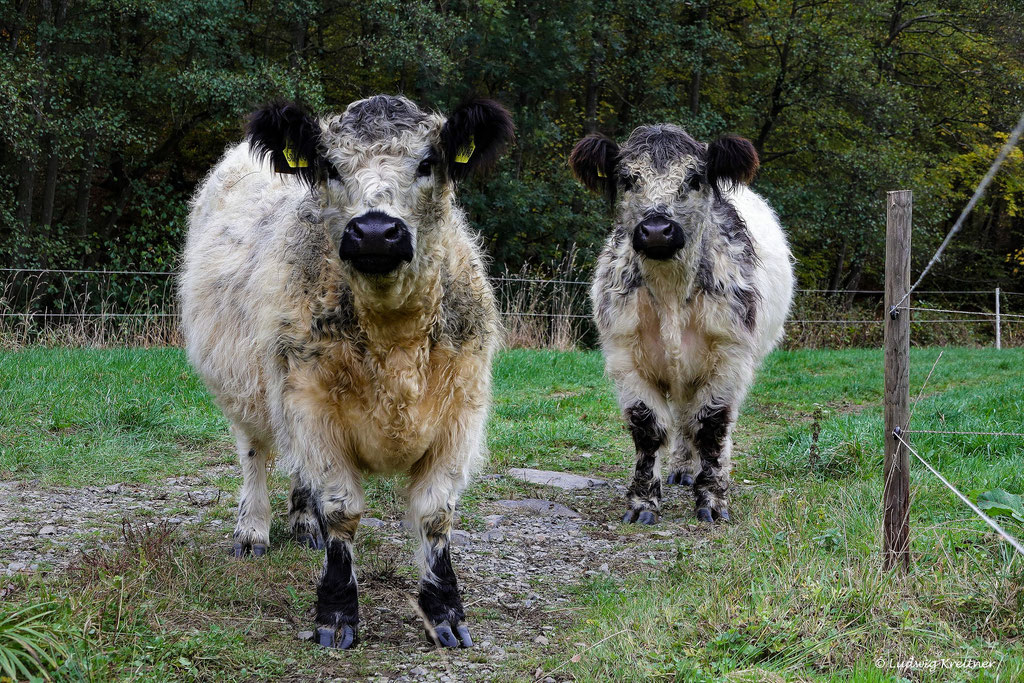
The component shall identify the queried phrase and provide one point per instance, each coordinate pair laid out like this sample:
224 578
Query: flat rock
562 480
493 536
48 530
372 521
461 538
541 507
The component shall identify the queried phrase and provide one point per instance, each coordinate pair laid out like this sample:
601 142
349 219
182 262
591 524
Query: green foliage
29 647
1000 503
116 110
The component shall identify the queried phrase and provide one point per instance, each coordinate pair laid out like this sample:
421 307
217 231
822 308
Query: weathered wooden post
999 332
896 495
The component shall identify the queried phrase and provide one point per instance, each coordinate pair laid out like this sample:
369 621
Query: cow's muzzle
658 237
376 243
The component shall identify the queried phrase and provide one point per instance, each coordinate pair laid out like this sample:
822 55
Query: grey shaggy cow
690 293
335 302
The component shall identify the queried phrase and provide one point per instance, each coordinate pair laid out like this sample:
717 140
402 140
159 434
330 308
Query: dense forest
114 110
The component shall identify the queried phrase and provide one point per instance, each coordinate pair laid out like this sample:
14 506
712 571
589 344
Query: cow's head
666 180
386 166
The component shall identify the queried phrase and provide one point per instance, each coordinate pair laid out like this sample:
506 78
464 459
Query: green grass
792 590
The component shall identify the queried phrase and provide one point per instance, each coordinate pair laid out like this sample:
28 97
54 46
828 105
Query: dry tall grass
545 310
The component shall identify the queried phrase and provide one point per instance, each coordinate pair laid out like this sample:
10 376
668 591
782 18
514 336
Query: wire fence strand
988 520
979 192
933 431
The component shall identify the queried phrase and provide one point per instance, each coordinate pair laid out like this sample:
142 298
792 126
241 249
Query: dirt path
520 563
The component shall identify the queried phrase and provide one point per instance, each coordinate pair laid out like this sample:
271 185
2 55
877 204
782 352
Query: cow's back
244 240
773 273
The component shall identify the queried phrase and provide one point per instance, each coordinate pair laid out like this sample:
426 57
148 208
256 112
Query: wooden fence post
896 496
999 332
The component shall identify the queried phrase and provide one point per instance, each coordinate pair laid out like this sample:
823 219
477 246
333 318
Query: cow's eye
425 167
629 181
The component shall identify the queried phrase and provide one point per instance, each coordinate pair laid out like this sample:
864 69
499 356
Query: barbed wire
979 192
988 520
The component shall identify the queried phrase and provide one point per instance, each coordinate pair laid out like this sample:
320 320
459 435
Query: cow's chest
389 407
674 348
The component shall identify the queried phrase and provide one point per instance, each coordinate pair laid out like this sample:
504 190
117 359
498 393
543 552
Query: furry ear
290 137
731 160
474 137
593 161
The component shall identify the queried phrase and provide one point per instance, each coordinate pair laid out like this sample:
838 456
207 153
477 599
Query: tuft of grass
30 647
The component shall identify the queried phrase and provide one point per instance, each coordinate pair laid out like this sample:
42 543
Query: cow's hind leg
252 531
302 516
340 505
644 495
683 460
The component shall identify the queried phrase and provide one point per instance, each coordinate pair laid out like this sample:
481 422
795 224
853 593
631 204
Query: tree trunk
17 26
26 189
83 192
49 184
698 68
837 269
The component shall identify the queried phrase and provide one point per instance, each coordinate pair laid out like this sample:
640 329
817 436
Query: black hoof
341 638
723 516
704 515
446 638
680 479
254 549
310 541
640 517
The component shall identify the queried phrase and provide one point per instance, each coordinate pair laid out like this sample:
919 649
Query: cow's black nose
658 237
376 243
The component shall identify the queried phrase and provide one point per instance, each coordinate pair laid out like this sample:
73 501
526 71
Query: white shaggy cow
335 302
690 293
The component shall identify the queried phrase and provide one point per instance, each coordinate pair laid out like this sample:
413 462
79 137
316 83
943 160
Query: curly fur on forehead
662 144
381 117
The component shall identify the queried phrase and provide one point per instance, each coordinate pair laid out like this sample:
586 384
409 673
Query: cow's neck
400 315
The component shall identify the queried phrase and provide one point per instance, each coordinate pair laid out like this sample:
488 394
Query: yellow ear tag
293 159
601 174
463 155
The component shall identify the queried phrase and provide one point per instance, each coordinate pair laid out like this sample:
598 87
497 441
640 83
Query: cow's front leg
252 530
644 495
713 439
340 506
683 459
437 480
302 516
716 406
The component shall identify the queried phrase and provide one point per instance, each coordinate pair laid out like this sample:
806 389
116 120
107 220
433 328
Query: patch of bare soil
520 568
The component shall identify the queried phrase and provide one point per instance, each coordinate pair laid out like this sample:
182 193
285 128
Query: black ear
290 137
731 160
593 161
475 136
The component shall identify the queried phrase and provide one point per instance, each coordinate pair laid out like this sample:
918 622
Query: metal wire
949 310
89 315
988 520
932 431
503 279
979 192
88 272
